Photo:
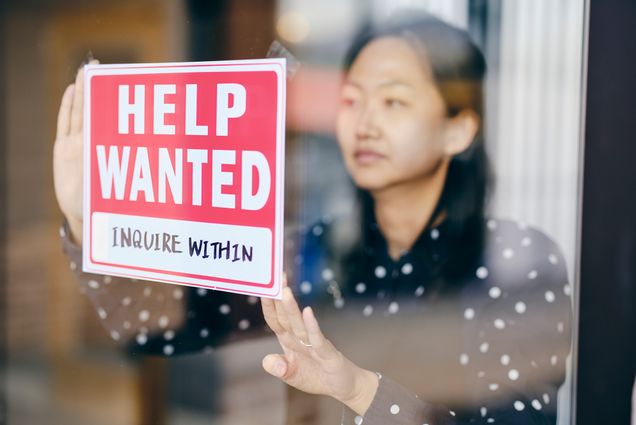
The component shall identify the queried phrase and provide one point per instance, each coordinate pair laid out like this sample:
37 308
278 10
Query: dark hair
458 68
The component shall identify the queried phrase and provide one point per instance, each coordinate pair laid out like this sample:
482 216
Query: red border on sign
276 258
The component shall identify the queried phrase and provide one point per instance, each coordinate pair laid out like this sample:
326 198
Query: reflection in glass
437 293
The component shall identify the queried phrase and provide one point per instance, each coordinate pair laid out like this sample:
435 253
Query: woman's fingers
285 318
280 309
319 343
294 316
282 315
271 316
275 364
77 111
64 115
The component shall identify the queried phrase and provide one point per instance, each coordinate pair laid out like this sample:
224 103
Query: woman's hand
67 154
310 362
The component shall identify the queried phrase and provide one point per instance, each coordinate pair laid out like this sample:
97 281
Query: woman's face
392 118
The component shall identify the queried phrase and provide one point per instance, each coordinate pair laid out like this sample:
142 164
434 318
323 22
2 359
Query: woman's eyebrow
394 83
382 85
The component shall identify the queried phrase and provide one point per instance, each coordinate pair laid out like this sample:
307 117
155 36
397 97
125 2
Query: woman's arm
164 319
515 340
148 317
311 363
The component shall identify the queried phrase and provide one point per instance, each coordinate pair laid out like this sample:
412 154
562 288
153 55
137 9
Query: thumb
275 365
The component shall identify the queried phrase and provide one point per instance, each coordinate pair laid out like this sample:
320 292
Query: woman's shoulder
516 253
511 234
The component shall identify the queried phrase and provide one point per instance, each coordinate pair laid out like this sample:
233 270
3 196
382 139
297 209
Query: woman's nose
367 126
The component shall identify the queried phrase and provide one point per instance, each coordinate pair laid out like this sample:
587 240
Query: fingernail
87 59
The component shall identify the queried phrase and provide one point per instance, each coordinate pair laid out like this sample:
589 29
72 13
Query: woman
409 129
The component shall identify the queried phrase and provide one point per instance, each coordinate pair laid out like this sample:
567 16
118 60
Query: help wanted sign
184 171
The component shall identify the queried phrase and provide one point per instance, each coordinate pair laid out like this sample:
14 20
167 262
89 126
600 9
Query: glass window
432 190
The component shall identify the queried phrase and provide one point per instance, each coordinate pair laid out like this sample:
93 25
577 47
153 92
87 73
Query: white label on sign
207 249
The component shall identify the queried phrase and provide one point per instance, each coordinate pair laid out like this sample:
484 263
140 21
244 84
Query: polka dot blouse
490 347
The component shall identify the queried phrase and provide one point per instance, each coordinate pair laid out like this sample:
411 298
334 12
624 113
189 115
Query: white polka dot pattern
144 315
501 302
469 314
549 296
482 272
380 272
327 274
305 287
494 292
163 321
499 324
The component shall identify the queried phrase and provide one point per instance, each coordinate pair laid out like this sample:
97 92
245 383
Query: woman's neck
402 211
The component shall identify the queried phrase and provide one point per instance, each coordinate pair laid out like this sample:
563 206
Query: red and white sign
184 172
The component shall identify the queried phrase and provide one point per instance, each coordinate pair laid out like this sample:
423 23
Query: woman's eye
394 103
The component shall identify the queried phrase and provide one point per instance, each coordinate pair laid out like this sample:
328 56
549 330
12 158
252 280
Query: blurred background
61 368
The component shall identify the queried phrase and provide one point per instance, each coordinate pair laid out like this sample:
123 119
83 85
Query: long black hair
458 68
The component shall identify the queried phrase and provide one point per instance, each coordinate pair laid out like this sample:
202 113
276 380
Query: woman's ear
460 132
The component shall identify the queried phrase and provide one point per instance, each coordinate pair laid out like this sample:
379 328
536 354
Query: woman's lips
367 157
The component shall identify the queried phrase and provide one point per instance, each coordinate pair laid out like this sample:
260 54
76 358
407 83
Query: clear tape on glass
277 50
